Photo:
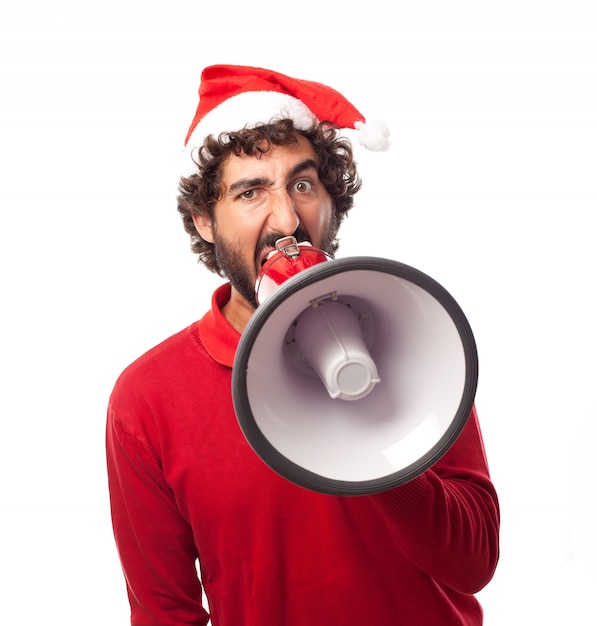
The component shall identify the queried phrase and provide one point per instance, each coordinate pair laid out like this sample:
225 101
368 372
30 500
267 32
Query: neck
237 311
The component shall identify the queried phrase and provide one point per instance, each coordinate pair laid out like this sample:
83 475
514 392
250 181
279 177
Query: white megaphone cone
378 333
327 333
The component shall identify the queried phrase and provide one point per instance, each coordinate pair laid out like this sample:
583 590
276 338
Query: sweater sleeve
154 542
447 519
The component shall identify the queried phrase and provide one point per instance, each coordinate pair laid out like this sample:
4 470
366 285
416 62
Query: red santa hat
232 97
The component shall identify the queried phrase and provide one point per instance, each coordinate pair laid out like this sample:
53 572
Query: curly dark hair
200 192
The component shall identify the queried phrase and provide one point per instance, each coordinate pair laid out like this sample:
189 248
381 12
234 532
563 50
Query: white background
490 187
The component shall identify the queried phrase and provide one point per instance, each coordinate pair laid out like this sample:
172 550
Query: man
267 160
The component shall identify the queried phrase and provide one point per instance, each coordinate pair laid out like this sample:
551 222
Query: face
276 195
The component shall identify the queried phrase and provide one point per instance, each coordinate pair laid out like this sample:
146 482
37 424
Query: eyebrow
307 164
249 183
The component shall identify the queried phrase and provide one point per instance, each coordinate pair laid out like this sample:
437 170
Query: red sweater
185 485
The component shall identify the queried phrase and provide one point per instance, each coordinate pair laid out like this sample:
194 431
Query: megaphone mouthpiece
287 261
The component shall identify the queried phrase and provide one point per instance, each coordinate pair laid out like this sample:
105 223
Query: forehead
276 162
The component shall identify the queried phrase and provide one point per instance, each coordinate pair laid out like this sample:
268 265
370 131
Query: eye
249 194
302 186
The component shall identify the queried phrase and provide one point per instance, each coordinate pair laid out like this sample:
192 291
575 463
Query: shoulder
159 366
161 354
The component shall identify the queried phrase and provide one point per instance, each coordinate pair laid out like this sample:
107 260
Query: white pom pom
374 135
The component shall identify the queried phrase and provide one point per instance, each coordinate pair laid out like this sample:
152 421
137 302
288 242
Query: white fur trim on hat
245 110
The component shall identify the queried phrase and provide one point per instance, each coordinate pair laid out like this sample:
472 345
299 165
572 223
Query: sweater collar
218 337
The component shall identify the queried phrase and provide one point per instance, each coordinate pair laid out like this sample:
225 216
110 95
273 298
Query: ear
204 226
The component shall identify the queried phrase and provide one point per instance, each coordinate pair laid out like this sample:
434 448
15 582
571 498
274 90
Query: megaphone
354 375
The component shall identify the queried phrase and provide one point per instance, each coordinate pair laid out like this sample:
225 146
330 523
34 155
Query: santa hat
233 97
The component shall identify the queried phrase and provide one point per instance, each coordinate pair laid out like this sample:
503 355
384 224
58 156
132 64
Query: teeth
267 256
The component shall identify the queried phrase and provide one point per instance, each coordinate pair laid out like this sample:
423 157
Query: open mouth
265 255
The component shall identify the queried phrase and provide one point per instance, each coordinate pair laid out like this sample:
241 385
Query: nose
283 218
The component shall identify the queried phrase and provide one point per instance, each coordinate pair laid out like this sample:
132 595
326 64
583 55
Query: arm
447 519
154 542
